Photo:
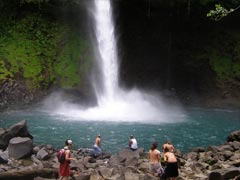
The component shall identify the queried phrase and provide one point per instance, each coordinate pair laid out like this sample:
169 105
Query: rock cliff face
175 48
170 47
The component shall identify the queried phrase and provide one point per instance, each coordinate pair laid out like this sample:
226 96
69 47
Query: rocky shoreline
21 159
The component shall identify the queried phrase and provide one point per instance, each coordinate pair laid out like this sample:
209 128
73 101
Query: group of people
171 166
170 161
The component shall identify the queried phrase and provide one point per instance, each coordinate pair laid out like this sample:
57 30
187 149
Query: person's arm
130 143
158 156
149 156
165 157
67 156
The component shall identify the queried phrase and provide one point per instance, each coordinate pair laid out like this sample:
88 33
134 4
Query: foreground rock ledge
213 163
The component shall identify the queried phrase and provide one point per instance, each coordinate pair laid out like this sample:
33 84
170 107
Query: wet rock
234 136
222 174
20 147
17 130
42 154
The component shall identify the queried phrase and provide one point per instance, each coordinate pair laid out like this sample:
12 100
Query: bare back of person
154 156
169 157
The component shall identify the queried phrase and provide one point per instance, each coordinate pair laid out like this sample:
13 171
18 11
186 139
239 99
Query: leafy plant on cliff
70 64
39 51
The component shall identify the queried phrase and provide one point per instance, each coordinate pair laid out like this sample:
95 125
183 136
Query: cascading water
106 44
114 103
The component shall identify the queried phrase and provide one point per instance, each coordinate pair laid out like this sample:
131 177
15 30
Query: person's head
68 142
99 135
166 149
131 136
154 145
168 142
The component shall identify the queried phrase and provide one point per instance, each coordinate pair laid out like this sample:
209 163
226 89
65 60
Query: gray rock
225 147
235 145
234 136
20 147
94 175
131 161
105 172
150 177
20 129
116 160
36 149
4 156
198 149
49 147
128 153
131 176
42 154
82 176
222 174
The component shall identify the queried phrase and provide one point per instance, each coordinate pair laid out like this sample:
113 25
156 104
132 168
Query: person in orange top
64 168
154 158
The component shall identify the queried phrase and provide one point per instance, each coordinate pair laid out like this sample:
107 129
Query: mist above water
114 103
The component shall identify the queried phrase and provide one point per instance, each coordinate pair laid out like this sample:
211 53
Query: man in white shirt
133 143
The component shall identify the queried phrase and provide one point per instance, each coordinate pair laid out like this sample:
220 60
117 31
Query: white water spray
115 104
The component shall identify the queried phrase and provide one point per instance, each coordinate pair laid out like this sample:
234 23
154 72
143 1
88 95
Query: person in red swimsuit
64 168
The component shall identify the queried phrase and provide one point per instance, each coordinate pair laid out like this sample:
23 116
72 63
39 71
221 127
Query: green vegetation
71 63
40 52
225 57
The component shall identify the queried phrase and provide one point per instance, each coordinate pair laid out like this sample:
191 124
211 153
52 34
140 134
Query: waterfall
106 44
114 103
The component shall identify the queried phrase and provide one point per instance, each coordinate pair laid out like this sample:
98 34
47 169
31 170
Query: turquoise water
202 127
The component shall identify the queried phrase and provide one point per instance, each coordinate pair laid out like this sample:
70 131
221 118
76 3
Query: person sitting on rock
171 170
96 147
133 143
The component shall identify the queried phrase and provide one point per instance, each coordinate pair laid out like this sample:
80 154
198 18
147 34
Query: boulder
132 176
17 130
128 153
4 157
20 147
198 149
42 154
234 136
131 161
116 160
105 172
82 176
235 145
222 174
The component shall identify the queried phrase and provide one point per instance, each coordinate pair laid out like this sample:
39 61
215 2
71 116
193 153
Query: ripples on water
202 127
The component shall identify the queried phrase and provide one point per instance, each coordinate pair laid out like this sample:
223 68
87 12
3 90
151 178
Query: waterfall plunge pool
201 128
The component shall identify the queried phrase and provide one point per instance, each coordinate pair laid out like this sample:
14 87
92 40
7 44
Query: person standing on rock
64 168
154 159
96 147
171 170
168 145
133 143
